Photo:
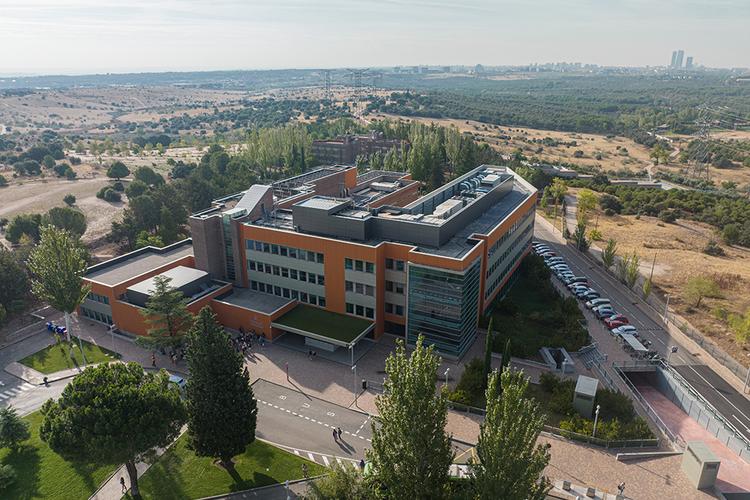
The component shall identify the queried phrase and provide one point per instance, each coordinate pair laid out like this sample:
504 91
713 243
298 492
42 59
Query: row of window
396 265
359 288
98 298
286 272
359 265
95 315
357 310
491 288
521 239
394 286
292 253
288 293
394 309
520 222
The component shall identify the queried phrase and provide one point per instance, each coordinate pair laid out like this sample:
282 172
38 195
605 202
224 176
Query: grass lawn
54 358
324 323
42 473
180 474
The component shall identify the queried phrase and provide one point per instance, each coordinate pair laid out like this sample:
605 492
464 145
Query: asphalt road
305 424
723 397
730 403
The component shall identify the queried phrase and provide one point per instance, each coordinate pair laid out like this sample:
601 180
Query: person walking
338 431
122 484
362 464
153 360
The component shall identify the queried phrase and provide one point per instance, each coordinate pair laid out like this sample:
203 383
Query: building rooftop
325 325
180 276
254 301
586 385
135 263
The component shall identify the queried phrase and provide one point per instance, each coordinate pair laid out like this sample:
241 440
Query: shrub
117 186
596 235
3 181
7 476
611 203
70 174
730 234
74 160
668 216
111 195
69 199
713 248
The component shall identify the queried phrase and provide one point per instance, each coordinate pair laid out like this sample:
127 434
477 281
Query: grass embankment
180 474
42 473
57 357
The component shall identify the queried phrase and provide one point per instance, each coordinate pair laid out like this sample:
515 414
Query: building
329 258
680 57
345 149
689 63
673 63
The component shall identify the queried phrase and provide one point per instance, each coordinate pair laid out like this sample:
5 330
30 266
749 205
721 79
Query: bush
7 476
713 248
135 189
70 174
730 234
111 195
74 160
611 203
117 186
69 200
3 181
668 216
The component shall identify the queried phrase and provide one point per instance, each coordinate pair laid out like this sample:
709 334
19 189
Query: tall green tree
114 413
166 315
15 283
118 170
579 236
13 429
221 407
70 219
510 464
411 452
505 364
488 342
609 253
57 266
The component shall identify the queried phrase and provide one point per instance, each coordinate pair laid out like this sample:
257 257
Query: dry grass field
679 256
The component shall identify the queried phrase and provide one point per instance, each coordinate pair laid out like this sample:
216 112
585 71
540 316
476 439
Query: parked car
554 260
590 295
625 329
617 318
576 280
597 302
604 311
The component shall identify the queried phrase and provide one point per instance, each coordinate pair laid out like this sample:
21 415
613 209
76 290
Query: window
389 308
311 256
389 263
268 268
259 246
349 286
251 265
389 286
322 301
285 293
399 265
350 308
400 310
358 265
262 287
276 270
369 312
295 294
319 257
249 244
348 264
254 285
277 290
369 267
275 249
293 253
359 288
369 290
399 287
303 296
266 248
360 311
302 276
321 279
284 272
314 300
284 251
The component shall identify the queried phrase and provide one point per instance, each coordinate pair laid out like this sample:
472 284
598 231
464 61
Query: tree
631 269
699 287
69 199
118 170
57 265
13 429
168 228
557 190
740 325
166 315
411 452
342 481
609 253
488 341
70 219
15 283
586 203
145 239
579 237
48 161
510 463
23 224
505 363
148 176
114 413
220 404
647 287
136 188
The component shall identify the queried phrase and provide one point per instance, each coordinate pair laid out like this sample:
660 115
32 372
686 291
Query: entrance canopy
325 326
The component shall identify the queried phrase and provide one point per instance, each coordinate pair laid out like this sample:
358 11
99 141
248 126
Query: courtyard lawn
180 474
341 327
42 473
56 357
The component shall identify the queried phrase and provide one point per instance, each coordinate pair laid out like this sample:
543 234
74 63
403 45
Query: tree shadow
26 463
166 482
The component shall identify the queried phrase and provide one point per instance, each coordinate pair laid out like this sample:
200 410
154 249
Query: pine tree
220 404
510 463
411 452
166 314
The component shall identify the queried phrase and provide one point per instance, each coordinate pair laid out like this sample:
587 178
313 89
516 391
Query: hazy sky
83 36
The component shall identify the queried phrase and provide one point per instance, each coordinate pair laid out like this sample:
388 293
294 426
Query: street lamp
596 419
446 375
354 369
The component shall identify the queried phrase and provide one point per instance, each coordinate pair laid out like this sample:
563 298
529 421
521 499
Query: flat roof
328 326
586 385
254 301
135 263
180 276
323 202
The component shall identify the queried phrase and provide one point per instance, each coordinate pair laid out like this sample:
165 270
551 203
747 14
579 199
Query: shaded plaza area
333 336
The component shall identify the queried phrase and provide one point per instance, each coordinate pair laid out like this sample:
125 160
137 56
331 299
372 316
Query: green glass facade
443 307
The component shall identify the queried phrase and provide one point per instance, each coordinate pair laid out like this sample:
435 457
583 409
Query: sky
95 36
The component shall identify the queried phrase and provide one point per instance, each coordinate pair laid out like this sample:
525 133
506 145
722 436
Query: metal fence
604 443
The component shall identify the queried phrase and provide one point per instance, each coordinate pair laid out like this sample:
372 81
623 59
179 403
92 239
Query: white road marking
338 459
312 458
294 413
8 395
3 396
741 422
325 460
296 452
720 394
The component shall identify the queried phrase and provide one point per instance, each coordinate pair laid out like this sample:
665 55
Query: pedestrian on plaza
314 353
305 472
335 435
621 487
46 382
122 484
309 354
362 464
153 360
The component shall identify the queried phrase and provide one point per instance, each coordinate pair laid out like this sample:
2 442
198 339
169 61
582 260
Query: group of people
244 341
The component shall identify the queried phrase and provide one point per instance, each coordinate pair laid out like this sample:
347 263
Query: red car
615 321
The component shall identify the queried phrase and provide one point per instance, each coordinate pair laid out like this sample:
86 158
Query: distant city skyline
95 36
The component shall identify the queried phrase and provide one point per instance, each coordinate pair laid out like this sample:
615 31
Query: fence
604 443
473 410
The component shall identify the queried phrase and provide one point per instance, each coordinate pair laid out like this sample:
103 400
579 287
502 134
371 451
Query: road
730 403
304 425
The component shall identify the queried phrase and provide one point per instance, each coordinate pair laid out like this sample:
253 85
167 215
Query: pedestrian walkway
14 391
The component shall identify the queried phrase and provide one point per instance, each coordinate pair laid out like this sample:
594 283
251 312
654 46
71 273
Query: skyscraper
680 57
689 63
674 59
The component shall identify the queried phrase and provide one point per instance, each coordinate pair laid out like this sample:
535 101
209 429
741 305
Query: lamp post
446 375
354 369
596 420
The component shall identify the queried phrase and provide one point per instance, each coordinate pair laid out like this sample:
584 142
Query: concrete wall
236 317
208 245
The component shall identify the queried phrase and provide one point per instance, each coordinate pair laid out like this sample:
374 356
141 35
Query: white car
625 329
596 302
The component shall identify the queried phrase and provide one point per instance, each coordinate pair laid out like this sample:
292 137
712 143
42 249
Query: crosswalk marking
312 458
3 396
296 452
7 395
325 460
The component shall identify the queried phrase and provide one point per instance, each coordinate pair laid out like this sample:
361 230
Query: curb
263 488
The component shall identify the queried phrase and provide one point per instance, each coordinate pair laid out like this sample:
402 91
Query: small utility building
187 280
583 398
